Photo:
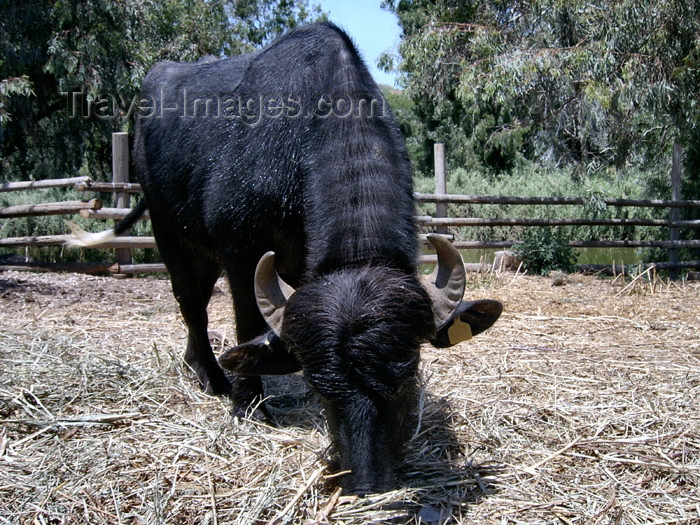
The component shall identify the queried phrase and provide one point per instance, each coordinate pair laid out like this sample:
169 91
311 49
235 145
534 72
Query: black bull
287 165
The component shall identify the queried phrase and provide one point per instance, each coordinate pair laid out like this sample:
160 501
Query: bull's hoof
217 388
248 398
213 382
257 412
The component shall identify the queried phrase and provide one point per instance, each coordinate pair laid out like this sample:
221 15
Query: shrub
545 249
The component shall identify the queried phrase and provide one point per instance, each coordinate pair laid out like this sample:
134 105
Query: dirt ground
581 405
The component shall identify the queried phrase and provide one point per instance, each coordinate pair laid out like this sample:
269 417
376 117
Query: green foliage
59 58
20 86
589 85
533 180
73 54
545 249
257 22
404 110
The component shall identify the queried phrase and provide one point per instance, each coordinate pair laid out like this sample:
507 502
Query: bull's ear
472 318
271 292
264 355
446 284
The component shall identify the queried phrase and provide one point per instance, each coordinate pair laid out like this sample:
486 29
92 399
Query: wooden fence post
120 174
676 169
440 184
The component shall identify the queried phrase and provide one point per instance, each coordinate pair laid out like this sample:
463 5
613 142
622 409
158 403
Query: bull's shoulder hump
323 31
324 36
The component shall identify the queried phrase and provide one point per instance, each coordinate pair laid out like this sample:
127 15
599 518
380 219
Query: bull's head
356 334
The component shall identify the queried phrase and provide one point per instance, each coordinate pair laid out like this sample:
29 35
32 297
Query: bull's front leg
200 357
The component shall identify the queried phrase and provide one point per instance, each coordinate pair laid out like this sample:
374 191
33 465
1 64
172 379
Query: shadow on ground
440 480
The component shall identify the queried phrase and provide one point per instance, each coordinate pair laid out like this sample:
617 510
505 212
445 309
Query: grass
537 181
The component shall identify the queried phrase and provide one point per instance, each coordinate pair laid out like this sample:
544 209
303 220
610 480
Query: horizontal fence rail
93 209
115 214
60 240
50 208
126 187
474 221
37 184
551 201
480 245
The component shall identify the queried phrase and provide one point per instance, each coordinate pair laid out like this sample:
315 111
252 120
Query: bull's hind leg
193 299
193 278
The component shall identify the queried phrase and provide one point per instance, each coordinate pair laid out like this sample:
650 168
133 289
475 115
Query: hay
580 406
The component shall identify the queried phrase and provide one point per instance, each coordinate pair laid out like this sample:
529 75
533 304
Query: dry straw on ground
580 406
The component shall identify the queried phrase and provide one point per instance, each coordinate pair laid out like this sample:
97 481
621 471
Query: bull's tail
82 238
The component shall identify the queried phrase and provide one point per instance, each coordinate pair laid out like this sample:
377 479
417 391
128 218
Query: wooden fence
93 209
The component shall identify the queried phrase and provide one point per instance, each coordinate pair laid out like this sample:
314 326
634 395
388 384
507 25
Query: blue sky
373 29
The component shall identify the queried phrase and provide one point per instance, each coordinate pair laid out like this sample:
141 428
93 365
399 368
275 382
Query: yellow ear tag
459 331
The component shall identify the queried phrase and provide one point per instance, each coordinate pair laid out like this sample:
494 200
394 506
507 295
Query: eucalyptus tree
70 70
593 85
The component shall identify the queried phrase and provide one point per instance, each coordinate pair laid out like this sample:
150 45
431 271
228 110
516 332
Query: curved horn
446 284
271 292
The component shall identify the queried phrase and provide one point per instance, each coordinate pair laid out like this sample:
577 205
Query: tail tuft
82 238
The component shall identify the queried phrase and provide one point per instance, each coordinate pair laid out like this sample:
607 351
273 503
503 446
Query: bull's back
190 153
226 168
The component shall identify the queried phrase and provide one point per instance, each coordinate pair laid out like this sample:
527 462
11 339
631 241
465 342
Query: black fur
356 333
330 193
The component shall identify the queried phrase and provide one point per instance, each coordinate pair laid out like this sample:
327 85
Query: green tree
429 62
592 85
9 87
257 22
72 55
